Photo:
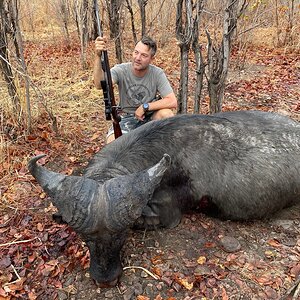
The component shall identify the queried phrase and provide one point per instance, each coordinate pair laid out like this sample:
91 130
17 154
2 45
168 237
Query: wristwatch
145 107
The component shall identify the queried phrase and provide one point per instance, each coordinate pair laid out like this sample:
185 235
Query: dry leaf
157 271
40 227
270 254
295 271
201 260
140 297
274 243
185 283
72 158
224 294
264 280
95 136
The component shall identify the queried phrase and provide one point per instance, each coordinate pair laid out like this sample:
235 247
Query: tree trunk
200 65
200 69
20 53
183 82
288 39
129 7
84 33
81 9
114 13
94 30
4 60
184 28
142 6
218 57
64 10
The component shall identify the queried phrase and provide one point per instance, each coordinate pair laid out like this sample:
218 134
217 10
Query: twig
141 268
17 242
120 292
16 272
297 292
296 288
47 251
15 281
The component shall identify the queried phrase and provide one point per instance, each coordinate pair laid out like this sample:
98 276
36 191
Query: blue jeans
129 122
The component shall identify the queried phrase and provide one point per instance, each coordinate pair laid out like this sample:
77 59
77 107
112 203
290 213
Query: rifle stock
111 109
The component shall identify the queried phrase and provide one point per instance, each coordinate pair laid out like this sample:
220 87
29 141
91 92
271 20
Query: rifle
111 109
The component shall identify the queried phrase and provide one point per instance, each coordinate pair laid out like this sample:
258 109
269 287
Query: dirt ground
202 258
205 258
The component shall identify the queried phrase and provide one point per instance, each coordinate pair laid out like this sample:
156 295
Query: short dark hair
146 40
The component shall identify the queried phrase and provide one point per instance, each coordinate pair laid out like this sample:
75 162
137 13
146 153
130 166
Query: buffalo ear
127 195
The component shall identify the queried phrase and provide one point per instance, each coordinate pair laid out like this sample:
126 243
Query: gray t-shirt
133 91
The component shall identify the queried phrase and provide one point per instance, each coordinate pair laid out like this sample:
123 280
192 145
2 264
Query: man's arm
169 101
164 105
100 45
98 72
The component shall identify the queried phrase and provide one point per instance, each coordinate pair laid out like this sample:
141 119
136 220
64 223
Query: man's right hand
139 113
100 45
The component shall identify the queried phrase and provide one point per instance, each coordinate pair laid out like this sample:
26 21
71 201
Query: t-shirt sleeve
115 71
163 85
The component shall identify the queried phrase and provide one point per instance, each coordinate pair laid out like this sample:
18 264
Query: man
140 83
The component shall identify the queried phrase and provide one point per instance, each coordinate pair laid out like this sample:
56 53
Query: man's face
141 57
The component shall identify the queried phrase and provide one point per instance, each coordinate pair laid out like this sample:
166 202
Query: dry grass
66 90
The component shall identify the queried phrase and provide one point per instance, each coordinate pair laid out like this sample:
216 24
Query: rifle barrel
107 87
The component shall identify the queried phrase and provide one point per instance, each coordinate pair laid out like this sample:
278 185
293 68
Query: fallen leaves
184 282
12 287
26 261
295 271
37 255
277 85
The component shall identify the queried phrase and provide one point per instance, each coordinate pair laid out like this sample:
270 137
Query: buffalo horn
47 179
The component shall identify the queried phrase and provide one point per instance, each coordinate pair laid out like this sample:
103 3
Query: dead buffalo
243 165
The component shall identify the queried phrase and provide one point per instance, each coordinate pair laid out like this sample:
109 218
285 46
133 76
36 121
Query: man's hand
139 113
100 45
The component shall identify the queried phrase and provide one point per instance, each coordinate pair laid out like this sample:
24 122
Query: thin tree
64 15
129 7
18 41
114 15
81 11
197 49
157 15
5 64
142 5
218 56
184 35
284 35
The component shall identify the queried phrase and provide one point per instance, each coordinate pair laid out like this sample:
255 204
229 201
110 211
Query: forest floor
202 258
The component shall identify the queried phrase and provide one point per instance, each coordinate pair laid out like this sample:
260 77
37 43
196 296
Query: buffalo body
238 165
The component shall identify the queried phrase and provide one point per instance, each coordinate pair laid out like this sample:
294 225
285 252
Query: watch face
145 106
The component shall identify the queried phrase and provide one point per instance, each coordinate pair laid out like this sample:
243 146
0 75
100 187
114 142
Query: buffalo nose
107 284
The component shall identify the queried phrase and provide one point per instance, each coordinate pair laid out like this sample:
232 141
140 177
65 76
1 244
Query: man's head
150 43
143 53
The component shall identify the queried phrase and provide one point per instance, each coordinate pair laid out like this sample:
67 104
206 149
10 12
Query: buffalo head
101 212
